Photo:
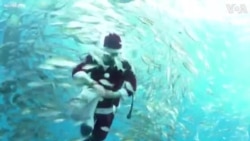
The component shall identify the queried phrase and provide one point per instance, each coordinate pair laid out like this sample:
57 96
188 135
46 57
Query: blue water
199 92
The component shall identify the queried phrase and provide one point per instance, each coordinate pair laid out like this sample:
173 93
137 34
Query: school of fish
44 40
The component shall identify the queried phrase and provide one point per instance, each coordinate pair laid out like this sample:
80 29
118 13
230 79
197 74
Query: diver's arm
117 94
80 76
99 89
128 88
130 83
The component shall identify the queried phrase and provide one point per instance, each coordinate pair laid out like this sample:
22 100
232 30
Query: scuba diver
110 81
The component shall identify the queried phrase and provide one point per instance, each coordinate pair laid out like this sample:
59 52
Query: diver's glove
99 89
81 78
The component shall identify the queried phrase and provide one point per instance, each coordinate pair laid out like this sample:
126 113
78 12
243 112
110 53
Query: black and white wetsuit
104 112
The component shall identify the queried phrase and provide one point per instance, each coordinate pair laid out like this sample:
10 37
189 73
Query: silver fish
46 67
59 120
74 25
191 34
178 49
190 67
38 84
61 62
65 85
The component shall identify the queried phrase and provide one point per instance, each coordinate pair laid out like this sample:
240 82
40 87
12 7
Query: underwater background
191 59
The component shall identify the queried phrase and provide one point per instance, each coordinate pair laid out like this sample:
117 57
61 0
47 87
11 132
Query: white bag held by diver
87 110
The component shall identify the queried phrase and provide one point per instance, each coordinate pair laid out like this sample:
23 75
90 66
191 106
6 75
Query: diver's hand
99 89
82 78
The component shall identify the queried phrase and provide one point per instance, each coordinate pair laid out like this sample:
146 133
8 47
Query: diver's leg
102 126
85 129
